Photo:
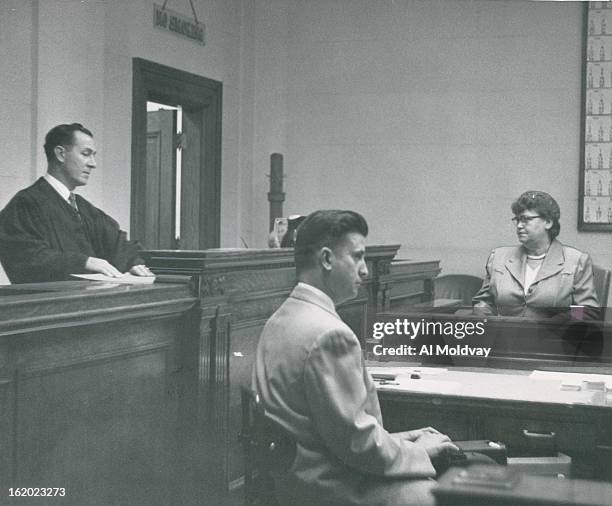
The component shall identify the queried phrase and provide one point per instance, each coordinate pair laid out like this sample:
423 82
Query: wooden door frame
159 83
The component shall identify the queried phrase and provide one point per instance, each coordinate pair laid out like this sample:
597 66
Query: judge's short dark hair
325 228
543 204
62 135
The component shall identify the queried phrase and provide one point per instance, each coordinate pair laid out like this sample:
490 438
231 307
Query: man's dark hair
325 228
62 135
543 204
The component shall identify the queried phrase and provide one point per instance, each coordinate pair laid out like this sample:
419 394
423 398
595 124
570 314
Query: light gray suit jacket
565 278
310 376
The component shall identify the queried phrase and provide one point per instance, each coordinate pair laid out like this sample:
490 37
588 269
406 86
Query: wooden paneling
91 386
408 283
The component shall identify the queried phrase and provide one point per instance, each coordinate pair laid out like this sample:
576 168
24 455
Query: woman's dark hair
325 228
62 135
543 204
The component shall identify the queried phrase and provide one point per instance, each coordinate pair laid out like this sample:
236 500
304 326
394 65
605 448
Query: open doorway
176 158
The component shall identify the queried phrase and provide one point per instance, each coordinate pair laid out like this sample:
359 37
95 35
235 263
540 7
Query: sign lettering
171 21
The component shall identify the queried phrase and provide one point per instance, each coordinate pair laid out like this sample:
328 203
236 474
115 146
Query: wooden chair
268 449
457 286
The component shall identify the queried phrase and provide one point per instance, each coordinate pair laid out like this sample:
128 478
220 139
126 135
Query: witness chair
457 286
601 278
268 450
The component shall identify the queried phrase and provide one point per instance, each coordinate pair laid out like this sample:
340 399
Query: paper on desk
571 378
128 279
422 385
398 371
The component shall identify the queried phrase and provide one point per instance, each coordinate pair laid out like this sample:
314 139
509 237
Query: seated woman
541 277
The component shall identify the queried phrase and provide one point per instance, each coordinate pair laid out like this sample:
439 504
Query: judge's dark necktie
73 204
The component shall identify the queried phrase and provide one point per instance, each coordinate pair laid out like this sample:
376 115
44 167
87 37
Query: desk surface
485 485
497 384
36 306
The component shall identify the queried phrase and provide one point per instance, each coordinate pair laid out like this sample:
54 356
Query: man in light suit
310 376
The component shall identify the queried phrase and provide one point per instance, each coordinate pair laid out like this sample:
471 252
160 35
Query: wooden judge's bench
130 393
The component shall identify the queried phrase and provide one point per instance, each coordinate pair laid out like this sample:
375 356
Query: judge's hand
413 435
436 444
100 265
141 270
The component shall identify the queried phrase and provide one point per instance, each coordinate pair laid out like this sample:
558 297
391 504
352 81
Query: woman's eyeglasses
524 220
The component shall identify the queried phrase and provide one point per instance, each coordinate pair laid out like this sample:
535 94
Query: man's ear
60 153
326 256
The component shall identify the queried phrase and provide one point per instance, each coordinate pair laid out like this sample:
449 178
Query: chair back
457 286
601 279
268 449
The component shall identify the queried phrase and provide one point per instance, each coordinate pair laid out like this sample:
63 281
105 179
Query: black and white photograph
282 252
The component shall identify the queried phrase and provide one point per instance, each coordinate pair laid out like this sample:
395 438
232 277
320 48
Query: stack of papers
128 279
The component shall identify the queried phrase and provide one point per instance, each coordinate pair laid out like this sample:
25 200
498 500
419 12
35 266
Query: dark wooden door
160 182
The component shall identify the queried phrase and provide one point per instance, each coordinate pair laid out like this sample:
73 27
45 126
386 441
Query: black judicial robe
42 238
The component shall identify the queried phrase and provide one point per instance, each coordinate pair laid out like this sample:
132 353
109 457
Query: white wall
431 117
18 99
270 112
67 60
17 96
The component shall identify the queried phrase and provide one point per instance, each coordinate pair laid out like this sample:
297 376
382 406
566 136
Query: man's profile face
348 267
77 160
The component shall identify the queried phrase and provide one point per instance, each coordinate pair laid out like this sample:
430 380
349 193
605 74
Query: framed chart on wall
595 195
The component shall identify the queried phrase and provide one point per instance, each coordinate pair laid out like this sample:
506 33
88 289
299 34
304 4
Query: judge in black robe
42 238
47 232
